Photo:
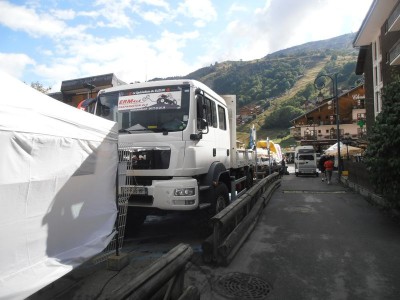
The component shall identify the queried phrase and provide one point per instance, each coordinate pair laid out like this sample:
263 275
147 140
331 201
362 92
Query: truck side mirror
104 110
203 124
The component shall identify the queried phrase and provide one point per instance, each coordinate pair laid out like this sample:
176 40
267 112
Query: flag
252 142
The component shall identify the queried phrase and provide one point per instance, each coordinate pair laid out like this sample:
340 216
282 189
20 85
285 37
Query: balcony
394 54
394 19
320 137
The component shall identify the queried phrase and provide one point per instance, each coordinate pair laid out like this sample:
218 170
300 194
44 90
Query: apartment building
378 41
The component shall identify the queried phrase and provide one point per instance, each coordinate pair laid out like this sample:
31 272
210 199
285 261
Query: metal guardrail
163 279
234 182
233 224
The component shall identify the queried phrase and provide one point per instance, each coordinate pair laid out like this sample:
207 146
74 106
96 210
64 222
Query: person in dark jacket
283 166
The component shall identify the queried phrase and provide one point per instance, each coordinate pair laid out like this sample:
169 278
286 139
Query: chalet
318 126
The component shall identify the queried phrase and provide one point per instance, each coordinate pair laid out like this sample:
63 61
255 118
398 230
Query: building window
378 103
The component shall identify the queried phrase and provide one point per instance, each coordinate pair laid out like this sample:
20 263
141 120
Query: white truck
305 161
177 142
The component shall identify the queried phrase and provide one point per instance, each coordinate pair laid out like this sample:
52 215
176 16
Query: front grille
144 180
142 158
140 200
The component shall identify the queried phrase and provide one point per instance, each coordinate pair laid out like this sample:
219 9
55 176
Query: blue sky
54 40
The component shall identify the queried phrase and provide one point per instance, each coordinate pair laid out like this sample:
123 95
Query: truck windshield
156 109
306 157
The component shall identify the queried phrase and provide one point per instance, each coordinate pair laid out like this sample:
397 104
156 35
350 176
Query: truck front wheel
134 220
221 198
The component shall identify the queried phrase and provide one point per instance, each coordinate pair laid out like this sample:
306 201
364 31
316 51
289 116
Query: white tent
333 150
57 187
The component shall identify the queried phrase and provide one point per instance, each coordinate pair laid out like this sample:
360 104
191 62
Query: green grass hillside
281 82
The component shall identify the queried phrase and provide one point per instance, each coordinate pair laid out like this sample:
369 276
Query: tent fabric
332 150
57 188
275 149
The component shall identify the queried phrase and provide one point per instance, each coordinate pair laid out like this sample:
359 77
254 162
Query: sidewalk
312 241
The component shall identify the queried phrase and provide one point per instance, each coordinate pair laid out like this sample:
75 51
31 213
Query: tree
38 86
281 117
382 155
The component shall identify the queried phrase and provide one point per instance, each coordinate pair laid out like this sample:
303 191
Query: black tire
219 197
249 179
134 220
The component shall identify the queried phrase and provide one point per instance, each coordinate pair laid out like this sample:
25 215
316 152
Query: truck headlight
184 192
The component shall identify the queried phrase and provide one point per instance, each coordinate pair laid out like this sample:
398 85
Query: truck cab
175 145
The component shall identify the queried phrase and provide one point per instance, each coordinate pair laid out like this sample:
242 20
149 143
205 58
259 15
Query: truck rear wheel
249 179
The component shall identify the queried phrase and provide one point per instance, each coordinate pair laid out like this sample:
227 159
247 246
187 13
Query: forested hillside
282 82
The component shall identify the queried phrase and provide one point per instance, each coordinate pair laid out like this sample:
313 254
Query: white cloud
156 17
22 18
235 7
67 14
131 59
157 3
201 11
15 63
115 12
25 19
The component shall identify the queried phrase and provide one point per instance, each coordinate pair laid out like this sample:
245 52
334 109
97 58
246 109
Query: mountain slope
282 78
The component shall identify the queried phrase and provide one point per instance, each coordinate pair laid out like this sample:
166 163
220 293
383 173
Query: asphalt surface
316 241
312 241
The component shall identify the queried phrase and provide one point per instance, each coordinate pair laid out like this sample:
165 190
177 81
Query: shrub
382 155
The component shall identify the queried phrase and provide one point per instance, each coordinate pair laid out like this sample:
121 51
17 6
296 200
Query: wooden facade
318 126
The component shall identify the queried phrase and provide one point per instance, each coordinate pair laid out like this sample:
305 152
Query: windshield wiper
123 130
136 127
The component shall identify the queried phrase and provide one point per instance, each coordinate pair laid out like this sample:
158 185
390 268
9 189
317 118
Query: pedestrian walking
321 167
283 167
328 164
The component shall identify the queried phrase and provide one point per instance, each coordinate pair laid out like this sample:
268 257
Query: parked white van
305 161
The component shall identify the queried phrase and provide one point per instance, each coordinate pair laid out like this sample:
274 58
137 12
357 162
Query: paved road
313 241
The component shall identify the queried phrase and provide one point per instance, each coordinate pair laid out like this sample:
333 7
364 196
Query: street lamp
90 87
319 85
347 141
